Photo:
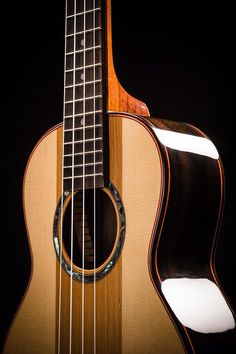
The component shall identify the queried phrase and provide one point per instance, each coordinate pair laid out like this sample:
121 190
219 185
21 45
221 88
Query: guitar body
130 317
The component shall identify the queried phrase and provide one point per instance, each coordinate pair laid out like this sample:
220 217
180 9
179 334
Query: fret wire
82 141
87 30
85 152
86 127
82 83
89 86
81 176
84 12
83 114
84 50
83 67
86 164
85 98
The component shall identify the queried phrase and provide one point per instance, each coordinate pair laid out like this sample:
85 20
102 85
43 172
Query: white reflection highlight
187 142
198 304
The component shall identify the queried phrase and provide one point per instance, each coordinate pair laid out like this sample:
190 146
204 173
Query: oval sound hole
100 230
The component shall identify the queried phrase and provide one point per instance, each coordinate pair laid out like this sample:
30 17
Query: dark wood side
184 244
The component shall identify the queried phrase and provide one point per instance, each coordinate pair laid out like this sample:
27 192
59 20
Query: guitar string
84 122
72 200
94 191
72 193
61 204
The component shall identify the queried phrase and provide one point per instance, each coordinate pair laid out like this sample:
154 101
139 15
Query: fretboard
83 154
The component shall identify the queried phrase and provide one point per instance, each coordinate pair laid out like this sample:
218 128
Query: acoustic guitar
122 212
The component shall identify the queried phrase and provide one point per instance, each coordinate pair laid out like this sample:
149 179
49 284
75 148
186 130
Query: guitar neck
84 95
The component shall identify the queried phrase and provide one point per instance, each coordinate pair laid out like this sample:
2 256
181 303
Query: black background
180 64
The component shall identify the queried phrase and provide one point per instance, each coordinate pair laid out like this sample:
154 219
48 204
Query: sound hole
100 230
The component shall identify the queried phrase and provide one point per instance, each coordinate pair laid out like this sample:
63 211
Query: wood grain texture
33 329
146 327
127 302
185 245
118 99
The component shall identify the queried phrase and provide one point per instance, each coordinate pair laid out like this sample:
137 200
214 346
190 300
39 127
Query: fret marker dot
82 121
82 42
82 76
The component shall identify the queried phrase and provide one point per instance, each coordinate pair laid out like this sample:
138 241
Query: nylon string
72 194
94 191
83 212
61 205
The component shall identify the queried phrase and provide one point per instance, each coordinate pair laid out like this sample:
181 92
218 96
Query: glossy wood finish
191 227
186 238
118 99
